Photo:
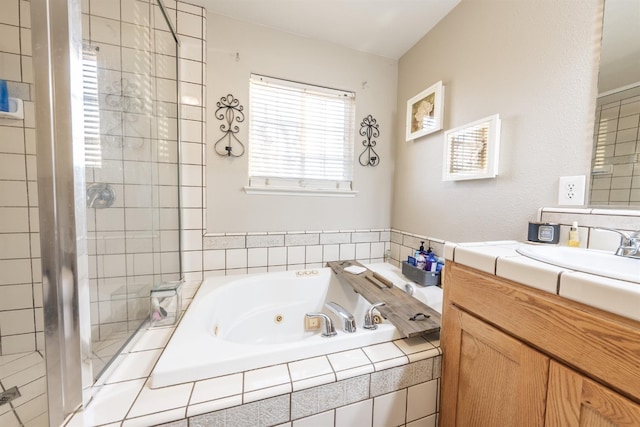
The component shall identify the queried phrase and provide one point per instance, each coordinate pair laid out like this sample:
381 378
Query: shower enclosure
102 98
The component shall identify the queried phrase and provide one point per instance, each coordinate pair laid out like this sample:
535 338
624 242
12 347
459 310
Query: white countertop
501 259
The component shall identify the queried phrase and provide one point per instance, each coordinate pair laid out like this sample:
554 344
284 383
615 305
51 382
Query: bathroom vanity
514 354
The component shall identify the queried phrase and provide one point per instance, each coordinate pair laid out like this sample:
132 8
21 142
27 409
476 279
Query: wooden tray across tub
399 307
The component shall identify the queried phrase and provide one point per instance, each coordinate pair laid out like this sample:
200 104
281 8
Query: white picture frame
472 151
424 112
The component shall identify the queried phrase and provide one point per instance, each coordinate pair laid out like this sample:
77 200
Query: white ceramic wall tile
265 241
15 296
329 238
429 421
296 255
389 409
414 345
264 393
347 251
16 322
529 272
111 403
266 377
348 359
615 296
216 388
384 351
354 372
153 339
190 25
483 258
150 401
324 419
309 368
301 239
313 381
214 405
257 257
277 256
330 253
421 400
363 250
135 365
236 258
357 414
377 250
214 259
314 254
155 418
603 240
390 363
10 14
449 249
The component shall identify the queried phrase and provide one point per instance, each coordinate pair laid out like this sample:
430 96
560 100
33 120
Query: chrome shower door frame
57 58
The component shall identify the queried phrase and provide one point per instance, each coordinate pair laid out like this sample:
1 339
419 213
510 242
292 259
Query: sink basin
586 260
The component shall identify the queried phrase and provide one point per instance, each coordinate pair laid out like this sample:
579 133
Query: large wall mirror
615 169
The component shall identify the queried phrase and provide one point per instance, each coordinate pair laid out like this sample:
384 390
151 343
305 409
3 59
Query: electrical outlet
571 190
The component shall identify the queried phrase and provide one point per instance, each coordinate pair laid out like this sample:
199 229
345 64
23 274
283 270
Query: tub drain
279 318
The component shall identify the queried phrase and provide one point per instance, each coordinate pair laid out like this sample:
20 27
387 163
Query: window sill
313 192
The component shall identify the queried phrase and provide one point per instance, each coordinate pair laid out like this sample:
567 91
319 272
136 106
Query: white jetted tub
239 323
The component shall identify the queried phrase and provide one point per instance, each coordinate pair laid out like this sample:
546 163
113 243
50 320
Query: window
92 147
300 138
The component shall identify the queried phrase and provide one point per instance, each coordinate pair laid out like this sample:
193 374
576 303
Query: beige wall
534 63
273 53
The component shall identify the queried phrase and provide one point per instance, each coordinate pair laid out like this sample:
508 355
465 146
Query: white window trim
299 187
302 186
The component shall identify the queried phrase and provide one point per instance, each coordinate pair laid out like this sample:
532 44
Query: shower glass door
131 161
91 222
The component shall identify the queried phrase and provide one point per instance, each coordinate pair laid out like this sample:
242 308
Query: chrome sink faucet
349 323
629 243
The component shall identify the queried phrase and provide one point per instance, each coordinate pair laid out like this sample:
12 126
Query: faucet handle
368 318
329 330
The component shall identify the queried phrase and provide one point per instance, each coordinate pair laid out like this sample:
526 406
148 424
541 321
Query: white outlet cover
571 190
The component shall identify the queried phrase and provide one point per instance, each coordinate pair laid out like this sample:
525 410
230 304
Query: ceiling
387 28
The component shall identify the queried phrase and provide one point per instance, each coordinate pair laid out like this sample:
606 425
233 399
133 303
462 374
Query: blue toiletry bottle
4 96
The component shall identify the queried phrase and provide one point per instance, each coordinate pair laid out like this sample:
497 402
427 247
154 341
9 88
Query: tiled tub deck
390 384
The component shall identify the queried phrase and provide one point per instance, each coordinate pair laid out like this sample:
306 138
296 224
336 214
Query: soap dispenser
574 235
421 259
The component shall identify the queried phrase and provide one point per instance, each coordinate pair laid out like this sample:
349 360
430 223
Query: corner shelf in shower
16 110
399 307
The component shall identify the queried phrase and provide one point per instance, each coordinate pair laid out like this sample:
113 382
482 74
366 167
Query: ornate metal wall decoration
369 129
229 109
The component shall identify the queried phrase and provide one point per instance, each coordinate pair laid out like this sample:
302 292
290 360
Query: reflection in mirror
615 171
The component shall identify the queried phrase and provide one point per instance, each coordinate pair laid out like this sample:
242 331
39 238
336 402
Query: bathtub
240 323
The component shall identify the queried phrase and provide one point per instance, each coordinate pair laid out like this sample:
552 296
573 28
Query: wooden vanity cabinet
517 356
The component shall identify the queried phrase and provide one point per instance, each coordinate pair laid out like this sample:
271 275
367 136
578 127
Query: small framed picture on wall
424 112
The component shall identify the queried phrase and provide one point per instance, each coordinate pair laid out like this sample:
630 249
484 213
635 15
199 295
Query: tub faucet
329 330
349 323
369 323
629 243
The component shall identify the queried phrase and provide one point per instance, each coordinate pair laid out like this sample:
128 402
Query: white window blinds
300 137
92 146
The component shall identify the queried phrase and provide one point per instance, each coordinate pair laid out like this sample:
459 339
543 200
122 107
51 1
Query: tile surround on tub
336 383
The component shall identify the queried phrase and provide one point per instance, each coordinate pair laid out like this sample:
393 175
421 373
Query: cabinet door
489 378
575 400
